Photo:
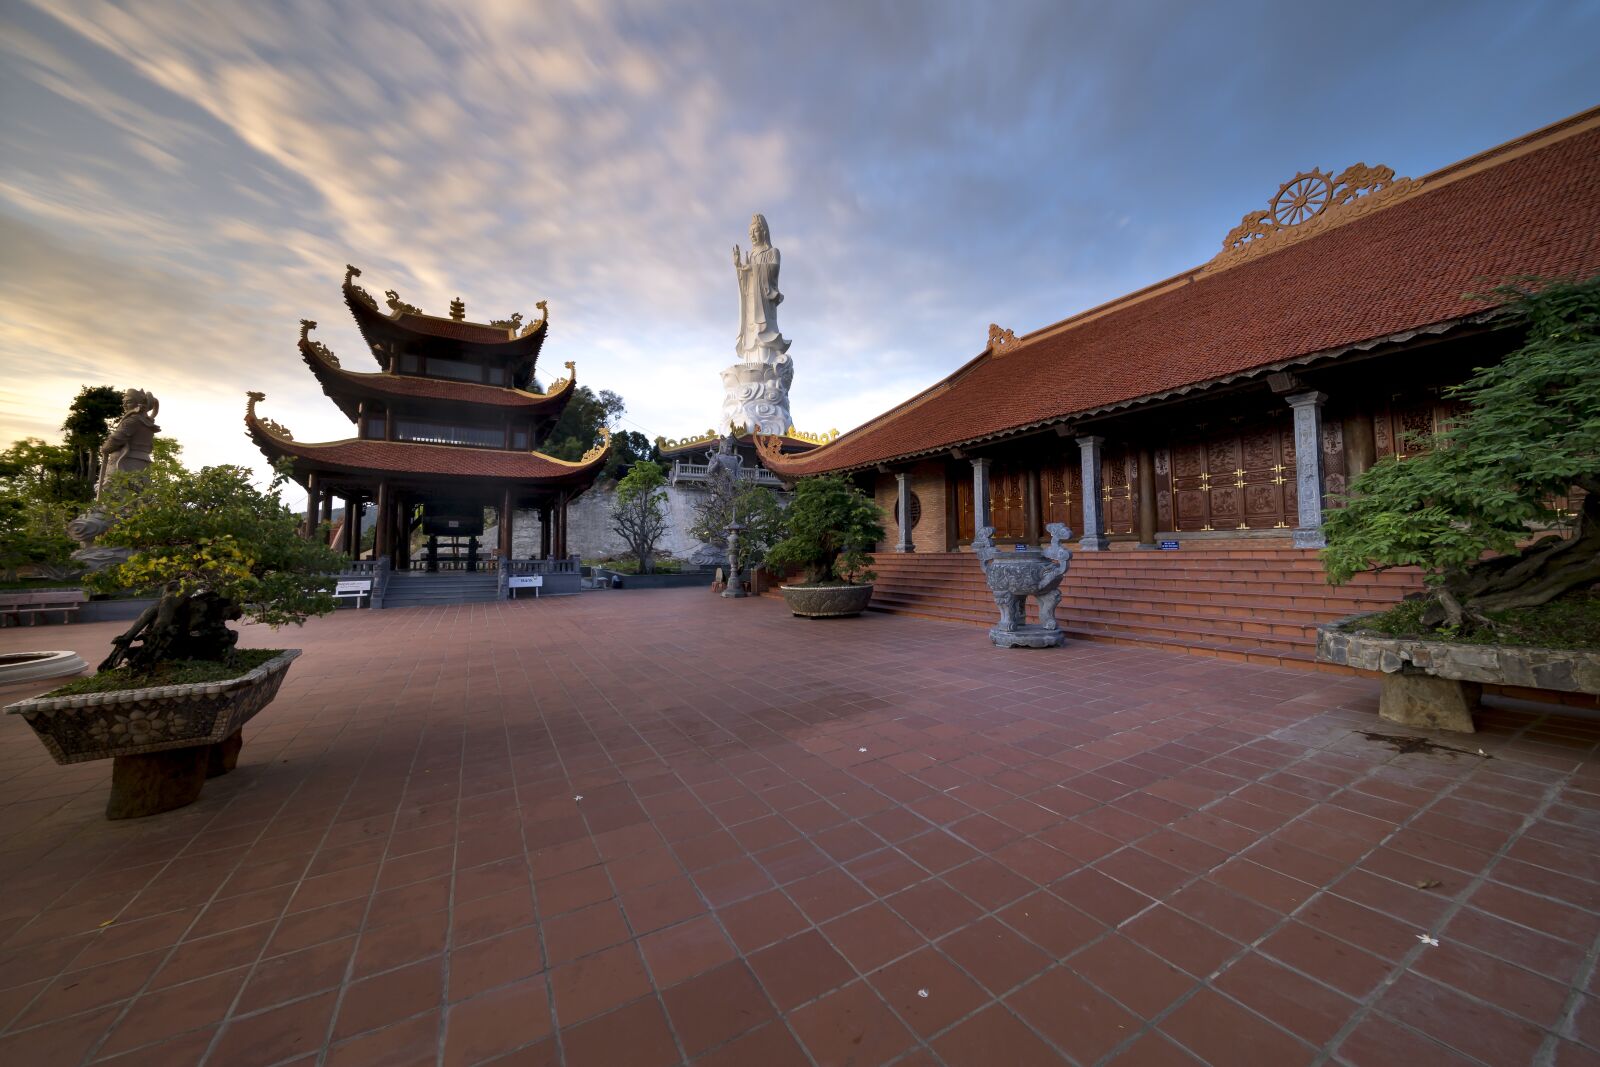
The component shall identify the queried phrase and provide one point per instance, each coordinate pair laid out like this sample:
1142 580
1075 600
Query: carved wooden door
962 495
1061 482
1117 476
1008 501
1236 480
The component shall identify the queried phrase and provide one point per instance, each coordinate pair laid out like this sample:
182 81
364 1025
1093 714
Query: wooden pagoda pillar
384 539
1147 498
505 525
561 527
308 528
544 531
352 525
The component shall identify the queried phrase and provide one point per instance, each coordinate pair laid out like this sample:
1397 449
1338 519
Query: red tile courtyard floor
652 828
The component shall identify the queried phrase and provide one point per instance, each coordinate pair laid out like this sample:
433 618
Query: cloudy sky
181 183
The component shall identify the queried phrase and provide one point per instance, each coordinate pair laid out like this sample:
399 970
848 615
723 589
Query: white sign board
354 587
526 581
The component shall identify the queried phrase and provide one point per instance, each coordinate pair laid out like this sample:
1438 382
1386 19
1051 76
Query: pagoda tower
449 425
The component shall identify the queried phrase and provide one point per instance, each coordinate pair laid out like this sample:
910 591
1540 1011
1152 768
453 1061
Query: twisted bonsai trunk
1537 575
178 626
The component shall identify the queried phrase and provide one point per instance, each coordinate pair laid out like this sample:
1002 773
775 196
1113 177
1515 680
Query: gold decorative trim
540 322
397 305
564 383
770 448
1310 203
600 449
352 271
814 438
271 426
316 348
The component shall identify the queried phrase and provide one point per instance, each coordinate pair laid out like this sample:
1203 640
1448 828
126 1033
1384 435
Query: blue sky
180 184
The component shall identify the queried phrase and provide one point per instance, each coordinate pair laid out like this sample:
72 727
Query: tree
1530 434
639 512
39 470
832 527
576 431
219 549
88 421
33 533
758 509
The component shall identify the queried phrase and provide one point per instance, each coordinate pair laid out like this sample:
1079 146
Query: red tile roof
339 383
1529 207
405 457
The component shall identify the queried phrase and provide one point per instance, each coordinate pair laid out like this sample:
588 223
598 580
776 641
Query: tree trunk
1537 575
178 626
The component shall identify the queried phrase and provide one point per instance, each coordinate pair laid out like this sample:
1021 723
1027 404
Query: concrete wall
589 530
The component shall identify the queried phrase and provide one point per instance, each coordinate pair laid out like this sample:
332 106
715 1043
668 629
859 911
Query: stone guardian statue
756 389
128 449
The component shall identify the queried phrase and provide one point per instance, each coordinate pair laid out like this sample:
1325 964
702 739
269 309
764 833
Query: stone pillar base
1309 537
1094 544
1427 702
905 548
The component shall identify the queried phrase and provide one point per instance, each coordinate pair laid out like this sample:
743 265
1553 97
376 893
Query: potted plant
168 704
1487 509
831 526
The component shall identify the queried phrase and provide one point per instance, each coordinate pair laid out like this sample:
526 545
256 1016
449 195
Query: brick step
1311 574
1221 588
1179 616
1287 611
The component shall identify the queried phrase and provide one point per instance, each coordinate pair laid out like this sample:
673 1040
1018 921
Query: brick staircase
1260 605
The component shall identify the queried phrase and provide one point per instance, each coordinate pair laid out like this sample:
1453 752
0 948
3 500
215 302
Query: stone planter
35 666
827 601
1436 684
164 742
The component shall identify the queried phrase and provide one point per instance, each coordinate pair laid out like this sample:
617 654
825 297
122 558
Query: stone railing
701 472
508 567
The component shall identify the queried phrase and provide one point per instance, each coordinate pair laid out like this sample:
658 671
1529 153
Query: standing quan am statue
128 449
756 389
1015 576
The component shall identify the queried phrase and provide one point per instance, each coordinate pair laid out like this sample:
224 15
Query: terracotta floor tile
1042 833
851 1026
1219 1030
1142 982
485 1027
632 1036
994 1036
276 1034
597 983
685 950
386 998
1077 1019
871 936
927 991
716 1006
800 969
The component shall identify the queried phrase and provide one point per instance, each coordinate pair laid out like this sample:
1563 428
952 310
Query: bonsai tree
832 526
1502 472
219 549
639 511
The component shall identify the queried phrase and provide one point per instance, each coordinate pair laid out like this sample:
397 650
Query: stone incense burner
1015 576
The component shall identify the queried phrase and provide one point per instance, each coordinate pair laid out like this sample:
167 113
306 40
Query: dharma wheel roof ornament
1311 202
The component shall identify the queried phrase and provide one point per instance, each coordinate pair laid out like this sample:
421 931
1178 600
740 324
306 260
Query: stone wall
589 531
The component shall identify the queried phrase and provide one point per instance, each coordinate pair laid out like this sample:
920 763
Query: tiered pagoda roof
1384 260
455 426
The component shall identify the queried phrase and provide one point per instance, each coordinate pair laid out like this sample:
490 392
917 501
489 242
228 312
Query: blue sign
1169 546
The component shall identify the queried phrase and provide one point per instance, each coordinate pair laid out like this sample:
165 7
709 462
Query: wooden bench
16 606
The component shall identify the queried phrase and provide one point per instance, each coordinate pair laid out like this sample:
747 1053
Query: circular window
916 510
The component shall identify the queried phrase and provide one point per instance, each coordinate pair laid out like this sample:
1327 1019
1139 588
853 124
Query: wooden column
544 531
313 504
383 542
561 528
505 525
1360 446
352 525
1033 522
327 507
1147 497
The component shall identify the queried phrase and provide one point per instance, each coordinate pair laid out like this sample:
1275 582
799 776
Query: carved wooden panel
1118 476
1238 478
1061 485
1008 501
1163 460
962 495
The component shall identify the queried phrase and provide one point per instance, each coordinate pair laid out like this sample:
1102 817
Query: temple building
1218 413
447 428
